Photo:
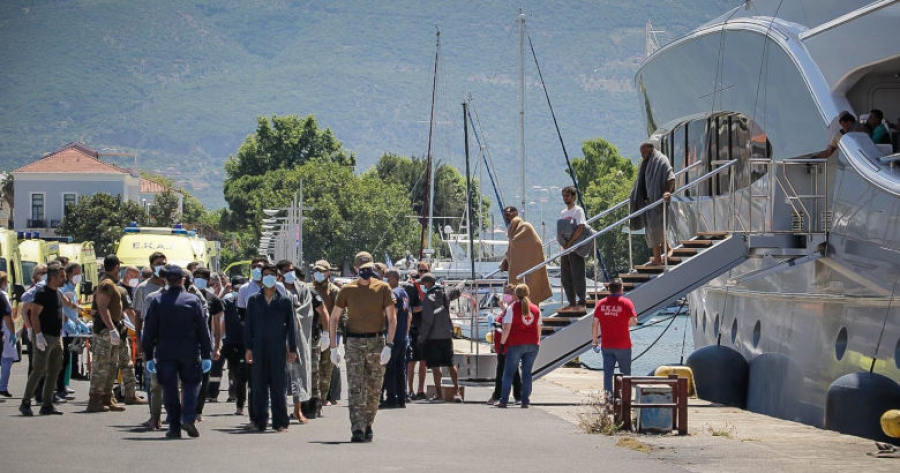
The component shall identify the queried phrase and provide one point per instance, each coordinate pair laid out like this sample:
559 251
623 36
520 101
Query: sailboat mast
521 21
428 204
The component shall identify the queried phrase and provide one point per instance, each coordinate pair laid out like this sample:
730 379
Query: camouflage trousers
365 375
107 360
321 370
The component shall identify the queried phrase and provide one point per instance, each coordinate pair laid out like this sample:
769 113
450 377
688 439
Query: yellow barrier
682 372
890 423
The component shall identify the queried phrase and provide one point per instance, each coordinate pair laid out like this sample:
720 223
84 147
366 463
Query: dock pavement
424 437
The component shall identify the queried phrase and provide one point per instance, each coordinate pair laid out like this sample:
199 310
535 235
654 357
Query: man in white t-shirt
572 264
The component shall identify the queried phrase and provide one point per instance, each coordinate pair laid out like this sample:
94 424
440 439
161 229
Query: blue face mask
157 269
366 273
319 277
269 281
200 283
290 277
256 274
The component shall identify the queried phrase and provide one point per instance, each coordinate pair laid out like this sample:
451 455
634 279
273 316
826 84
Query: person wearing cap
655 181
108 310
436 333
156 283
271 343
369 303
321 372
612 318
178 348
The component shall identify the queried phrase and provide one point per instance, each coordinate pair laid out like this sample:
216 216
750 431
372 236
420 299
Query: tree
164 209
100 218
7 187
606 179
282 144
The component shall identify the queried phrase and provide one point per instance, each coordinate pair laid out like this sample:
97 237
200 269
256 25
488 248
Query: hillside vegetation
182 82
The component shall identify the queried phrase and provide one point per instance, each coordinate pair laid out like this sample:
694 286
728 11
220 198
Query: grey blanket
649 187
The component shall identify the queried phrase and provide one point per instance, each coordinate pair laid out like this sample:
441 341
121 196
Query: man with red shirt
612 317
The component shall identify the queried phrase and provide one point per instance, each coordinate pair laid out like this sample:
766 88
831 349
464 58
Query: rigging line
719 60
487 166
563 145
887 314
427 200
486 150
764 72
671 321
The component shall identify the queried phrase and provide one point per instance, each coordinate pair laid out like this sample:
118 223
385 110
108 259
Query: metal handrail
619 222
623 203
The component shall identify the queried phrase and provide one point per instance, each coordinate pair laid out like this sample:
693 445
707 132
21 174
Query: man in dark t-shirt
47 325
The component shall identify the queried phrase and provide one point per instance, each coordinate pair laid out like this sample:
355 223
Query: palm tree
6 193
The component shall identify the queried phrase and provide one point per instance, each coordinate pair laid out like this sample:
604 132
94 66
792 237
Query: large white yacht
815 296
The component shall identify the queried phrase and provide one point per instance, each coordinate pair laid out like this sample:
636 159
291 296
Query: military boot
95 404
110 402
318 409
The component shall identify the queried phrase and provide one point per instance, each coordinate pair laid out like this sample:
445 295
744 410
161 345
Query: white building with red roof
46 187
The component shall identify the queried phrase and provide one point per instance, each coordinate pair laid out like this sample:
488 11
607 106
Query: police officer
367 301
269 334
177 346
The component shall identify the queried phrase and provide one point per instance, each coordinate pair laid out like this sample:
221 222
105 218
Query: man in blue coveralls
271 344
176 342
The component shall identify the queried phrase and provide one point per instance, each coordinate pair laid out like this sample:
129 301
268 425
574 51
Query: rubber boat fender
775 386
856 402
720 374
682 372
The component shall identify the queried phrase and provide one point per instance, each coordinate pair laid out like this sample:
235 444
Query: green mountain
181 82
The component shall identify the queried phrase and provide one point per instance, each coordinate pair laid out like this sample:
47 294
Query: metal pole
521 21
300 231
473 329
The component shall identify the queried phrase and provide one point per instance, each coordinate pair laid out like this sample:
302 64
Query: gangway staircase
651 287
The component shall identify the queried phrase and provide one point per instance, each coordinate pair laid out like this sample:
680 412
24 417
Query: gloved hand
12 339
324 343
385 355
114 337
40 343
30 332
150 366
596 348
206 365
335 356
70 327
82 327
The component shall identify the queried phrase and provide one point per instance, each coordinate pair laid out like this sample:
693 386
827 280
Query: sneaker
369 434
70 390
420 396
49 410
25 409
57 399
500 404
191 429
457 399
357 437
6 394
491 401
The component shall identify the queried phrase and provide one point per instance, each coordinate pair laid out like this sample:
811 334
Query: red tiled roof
153 187
74 157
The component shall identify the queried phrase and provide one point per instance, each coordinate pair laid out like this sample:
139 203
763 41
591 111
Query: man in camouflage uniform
322 367
110 301
368 301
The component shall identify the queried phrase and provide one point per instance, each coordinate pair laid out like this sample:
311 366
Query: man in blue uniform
269 334
176 343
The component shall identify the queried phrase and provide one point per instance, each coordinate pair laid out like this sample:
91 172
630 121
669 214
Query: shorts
413 353
438 353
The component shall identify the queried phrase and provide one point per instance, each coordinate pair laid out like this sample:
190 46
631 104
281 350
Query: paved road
423 437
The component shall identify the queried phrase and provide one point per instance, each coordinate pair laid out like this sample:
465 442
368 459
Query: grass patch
633 444
727 431
595 416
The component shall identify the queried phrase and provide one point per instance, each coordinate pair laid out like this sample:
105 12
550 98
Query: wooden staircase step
681 251
713 235
636 277
697 243
566 315
557 321
650 268
546 330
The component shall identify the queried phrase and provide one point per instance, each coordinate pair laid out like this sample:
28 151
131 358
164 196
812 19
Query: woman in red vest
521 341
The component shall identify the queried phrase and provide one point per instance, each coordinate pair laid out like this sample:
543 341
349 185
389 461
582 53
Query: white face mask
76 279
133 282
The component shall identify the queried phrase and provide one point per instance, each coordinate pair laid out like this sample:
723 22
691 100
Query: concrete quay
424 437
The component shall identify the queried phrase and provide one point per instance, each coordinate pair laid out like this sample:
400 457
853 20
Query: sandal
457 398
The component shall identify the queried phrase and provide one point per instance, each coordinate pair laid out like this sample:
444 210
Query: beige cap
363 260
322 265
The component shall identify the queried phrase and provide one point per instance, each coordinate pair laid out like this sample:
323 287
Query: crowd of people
280 337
